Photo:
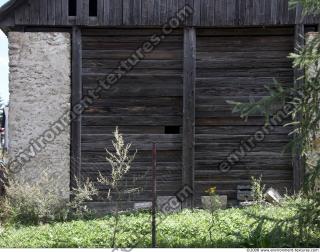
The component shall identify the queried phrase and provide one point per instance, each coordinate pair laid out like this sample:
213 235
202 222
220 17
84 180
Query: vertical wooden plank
189 79
181 5
172 8
145 9
242 12
189 21
115 12
35 12
299 14
132 12
26 18
100 12
283 12
298 167
196 12
220 12
208 12
51 12
58 12
106 12
259 12
65 12
19 15
84 12
231 19
267 11
43 12
155 13
76 99
249 12
127 10
163 11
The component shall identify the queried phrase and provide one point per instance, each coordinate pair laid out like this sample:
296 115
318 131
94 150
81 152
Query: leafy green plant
309 6
257 189
252 227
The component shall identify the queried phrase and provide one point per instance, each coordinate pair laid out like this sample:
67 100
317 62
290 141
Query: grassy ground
250 227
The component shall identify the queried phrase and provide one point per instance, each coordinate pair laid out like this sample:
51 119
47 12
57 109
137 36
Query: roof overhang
9 6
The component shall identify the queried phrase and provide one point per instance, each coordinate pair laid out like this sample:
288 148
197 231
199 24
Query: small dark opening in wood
172 130
93 8
72 8
310 28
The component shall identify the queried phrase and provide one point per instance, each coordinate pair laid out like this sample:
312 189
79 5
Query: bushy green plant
29 203
37 202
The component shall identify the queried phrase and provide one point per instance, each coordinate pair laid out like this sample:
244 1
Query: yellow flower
211 190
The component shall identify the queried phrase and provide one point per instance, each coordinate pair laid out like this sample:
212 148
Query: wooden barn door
233 64
146 105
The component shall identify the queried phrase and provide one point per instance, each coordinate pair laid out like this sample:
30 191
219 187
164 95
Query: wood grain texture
143 104
232 65
189 79
207 13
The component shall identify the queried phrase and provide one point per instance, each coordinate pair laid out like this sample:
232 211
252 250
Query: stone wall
40 90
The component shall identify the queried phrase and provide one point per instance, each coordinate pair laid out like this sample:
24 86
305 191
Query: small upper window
93 8
72 7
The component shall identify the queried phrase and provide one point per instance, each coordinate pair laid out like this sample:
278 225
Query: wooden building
176 96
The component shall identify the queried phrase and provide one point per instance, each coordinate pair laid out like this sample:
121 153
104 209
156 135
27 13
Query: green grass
250 227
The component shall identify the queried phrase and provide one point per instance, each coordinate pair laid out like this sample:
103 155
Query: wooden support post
76 99
189 79
298 163
154 192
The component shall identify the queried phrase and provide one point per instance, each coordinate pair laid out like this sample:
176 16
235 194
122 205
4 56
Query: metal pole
154 192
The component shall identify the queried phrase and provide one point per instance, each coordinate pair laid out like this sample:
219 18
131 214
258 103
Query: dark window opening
93 8
172 130
72 8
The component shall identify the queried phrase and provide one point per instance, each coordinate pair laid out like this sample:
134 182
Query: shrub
33 203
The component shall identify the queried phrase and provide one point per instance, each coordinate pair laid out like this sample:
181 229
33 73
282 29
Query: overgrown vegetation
249 227
34 203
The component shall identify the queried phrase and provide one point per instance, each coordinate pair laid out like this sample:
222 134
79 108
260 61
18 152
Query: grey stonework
40 91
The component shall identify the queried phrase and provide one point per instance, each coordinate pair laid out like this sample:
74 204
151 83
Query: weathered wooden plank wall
232 65
146 105
156 12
